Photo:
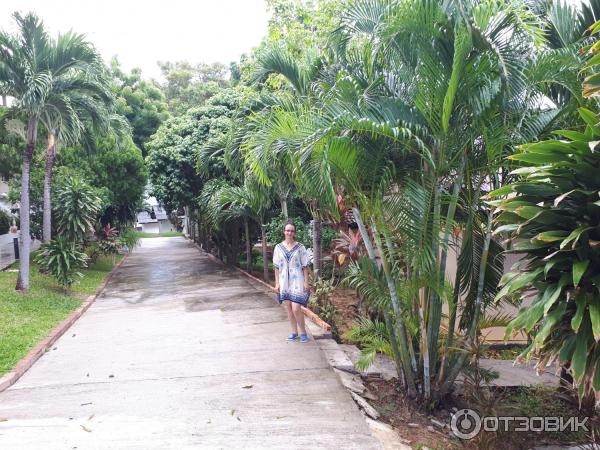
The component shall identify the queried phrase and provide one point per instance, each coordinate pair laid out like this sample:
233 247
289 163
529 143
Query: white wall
166 225
150 227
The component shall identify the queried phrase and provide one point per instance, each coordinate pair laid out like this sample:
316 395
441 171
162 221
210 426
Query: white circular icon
465 424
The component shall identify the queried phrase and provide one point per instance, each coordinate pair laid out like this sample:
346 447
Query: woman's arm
276 288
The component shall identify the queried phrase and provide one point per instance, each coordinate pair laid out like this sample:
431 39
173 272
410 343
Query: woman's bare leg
297 310
291 316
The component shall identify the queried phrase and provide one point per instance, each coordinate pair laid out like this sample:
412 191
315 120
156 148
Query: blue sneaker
303 338
292 337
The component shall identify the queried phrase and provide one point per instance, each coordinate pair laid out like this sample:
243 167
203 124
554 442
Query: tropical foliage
553 217
62 258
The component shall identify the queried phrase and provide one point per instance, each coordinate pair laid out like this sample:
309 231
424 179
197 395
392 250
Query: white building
154 220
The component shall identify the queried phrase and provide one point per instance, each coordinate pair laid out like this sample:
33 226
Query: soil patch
416 427
346 303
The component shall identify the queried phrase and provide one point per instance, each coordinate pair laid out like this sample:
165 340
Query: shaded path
178 353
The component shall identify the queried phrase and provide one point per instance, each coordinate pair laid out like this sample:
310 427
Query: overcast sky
142 32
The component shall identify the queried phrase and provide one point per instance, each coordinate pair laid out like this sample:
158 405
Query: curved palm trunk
47 212
403 348
263 238
399 342
23 278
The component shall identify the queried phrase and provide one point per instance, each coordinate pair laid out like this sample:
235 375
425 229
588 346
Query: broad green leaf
552 236
580 302
504 190
549 321
594 309
528 212
566 352
555 293
574 236
518 283
590 118
506 228
579 269
573 135
536 158
579 360
542 190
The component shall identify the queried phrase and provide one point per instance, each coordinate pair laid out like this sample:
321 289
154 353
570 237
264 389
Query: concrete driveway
179 353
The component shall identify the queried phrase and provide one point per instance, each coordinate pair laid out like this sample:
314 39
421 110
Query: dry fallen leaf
91 417
3 419
84 404
238 419
86 428
249 386
232 412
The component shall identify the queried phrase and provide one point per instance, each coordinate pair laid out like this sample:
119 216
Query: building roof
144 216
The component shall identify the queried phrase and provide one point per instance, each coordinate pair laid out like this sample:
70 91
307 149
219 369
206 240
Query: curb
34 354
307 312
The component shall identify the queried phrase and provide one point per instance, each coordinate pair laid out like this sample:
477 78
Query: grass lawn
26 319
141 234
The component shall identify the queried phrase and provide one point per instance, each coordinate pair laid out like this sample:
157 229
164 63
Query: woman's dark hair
289 222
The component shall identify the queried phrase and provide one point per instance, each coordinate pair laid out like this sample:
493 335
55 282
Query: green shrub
328 235
5 222
129 238
275 230
77 207
62 259
553 214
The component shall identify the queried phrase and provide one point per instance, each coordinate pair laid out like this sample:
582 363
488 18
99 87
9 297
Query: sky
142 32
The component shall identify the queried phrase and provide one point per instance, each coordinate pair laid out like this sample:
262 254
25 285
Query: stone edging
28 360
307 312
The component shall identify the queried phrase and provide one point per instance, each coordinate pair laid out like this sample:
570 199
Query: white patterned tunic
291 264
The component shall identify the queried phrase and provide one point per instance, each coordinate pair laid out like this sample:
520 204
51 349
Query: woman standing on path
290 259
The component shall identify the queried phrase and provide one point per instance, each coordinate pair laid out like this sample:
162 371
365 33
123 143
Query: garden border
10 378
307 312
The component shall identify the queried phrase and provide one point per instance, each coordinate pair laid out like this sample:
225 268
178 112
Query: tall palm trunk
284 205
404 353
23 278
263 238
424 346
317 243
4 100
248 245
472 332
435 313
47 212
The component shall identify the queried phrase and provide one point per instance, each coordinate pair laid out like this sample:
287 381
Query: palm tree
267 146
25 77
252 200
438 91
77 104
